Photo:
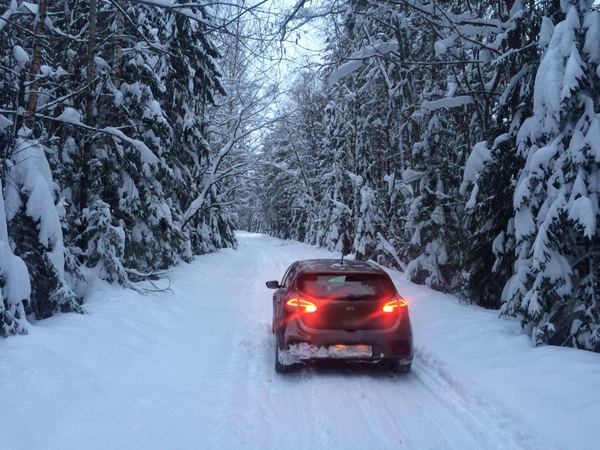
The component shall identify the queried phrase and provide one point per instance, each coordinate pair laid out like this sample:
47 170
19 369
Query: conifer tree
555 280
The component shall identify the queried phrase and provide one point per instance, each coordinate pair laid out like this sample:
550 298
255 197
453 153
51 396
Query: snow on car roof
335 265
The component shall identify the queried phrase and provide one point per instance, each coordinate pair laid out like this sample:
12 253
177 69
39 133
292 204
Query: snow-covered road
194 370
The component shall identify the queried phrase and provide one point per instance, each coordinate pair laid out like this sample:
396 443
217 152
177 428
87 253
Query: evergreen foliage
107 139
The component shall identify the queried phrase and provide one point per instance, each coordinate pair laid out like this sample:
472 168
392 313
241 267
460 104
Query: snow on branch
445 103
584 211
357 58
297 7
388 248
476 161
344 70
4 122
145 153
184 10
30 173
6 15
73 117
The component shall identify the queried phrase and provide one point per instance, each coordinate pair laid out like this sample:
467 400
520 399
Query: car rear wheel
396 366
280 367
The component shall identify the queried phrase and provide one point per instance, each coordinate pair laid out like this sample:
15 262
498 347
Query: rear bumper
389 343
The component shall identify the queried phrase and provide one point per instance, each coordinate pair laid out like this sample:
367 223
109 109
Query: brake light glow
394 305
309 307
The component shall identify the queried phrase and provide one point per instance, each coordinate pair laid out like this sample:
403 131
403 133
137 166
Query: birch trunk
36 61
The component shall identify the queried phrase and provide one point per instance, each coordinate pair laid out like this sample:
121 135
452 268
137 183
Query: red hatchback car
350 311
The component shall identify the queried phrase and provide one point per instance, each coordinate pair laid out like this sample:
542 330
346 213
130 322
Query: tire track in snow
227 432
321 421
489 422
245 365
378 423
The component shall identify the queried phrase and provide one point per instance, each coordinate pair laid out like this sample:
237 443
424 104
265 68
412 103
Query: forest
457 141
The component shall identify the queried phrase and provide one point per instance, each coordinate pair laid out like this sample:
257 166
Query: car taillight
307 306
394 305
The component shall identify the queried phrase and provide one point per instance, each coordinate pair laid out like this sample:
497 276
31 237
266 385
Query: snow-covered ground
193 369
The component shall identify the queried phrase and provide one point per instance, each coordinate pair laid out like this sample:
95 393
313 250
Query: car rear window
346 286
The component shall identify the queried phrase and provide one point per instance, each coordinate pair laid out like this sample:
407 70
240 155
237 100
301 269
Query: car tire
279 367
396 366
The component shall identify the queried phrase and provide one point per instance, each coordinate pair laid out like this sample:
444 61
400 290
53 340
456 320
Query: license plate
350 351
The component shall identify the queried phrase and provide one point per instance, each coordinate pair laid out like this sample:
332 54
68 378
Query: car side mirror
273 284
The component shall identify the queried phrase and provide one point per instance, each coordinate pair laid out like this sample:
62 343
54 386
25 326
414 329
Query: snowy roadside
554 389
194 369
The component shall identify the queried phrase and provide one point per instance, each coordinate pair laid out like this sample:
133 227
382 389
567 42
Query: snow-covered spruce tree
34 211
192 87
492 168
371 101
99 169
35 228
554 288
15 288
356 145
365 239
339 185
131 185
306 150
432 216
105 244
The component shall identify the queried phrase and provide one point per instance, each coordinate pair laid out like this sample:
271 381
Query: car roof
336 266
